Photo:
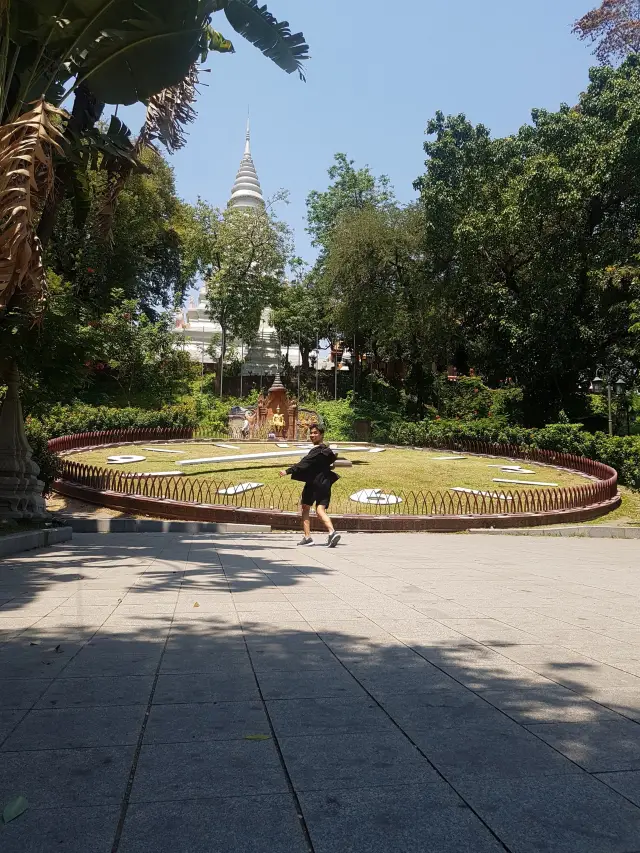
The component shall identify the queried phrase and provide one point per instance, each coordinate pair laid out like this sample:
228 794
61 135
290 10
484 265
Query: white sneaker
306 540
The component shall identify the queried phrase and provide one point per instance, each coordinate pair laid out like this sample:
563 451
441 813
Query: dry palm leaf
26 179
167 114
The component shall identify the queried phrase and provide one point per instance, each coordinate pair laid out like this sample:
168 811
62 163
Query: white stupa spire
247 191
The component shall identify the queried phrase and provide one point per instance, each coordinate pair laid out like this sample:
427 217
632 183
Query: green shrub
48 462
508 404
65 420
339 417
620 452
468 398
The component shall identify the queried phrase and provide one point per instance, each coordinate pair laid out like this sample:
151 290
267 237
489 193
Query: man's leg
306 521
324 518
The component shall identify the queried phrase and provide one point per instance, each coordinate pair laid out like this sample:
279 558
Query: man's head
316 434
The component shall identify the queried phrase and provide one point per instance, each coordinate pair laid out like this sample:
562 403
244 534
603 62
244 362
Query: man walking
316 474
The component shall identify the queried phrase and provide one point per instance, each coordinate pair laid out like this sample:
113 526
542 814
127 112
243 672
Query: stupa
263 357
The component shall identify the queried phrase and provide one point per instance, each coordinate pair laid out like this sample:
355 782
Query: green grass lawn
392 470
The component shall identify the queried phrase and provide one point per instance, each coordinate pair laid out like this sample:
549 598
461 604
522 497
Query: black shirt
315 468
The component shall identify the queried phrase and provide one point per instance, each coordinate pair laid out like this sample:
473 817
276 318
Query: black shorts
312 494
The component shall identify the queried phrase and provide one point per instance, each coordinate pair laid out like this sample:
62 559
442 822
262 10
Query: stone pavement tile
68 830
331 715
9 719
488 631
22 692
270 594
290 659
185 771
552 655
418 711
108 644
89 663
630 665
461 742
354 761
384 679
588 678
66 777
205 721
597 746
307 684
546 703
11 625
626 703
407 819
215 686
316 597
96 692
159 625
442 651
266 607
9 635
353 628
555 814
91 613
254 620
139 610
420 629
253 824
69 728
139 596
479 674
99 597
185 640
382 653
626 783
623 631
205 659
32 608
327 612
290 643
44 660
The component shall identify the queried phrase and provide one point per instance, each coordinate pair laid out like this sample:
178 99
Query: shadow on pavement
183 694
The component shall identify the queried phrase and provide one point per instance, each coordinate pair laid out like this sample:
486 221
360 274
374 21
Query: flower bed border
567 505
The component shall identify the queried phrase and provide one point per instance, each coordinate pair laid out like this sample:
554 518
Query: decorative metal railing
286 496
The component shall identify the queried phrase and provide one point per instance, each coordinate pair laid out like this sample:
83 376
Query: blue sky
378 72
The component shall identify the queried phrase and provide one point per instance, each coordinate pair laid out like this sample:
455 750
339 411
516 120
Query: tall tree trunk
223 351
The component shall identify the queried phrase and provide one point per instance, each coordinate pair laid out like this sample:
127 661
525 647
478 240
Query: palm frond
275 39
26 179
167 115
169 112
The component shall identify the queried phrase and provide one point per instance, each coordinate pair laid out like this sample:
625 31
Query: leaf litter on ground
14 809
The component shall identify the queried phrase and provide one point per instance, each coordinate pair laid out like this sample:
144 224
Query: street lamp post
598 385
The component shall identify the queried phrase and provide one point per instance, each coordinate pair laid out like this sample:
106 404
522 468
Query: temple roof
247 191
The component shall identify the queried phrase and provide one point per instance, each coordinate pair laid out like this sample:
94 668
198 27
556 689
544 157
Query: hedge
66 420
620 452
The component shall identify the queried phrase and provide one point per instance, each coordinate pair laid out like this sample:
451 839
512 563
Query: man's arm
305 463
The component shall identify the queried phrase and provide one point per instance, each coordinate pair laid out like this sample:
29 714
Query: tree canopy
241 254
519 259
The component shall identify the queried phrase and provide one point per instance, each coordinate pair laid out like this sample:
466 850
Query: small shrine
274 415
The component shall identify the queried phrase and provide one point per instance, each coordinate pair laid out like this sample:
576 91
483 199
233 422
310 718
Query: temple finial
246 191
247 147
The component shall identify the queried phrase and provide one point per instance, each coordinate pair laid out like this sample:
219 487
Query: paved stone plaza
401 693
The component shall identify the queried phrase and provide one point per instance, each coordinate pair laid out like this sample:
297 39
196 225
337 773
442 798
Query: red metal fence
205 491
